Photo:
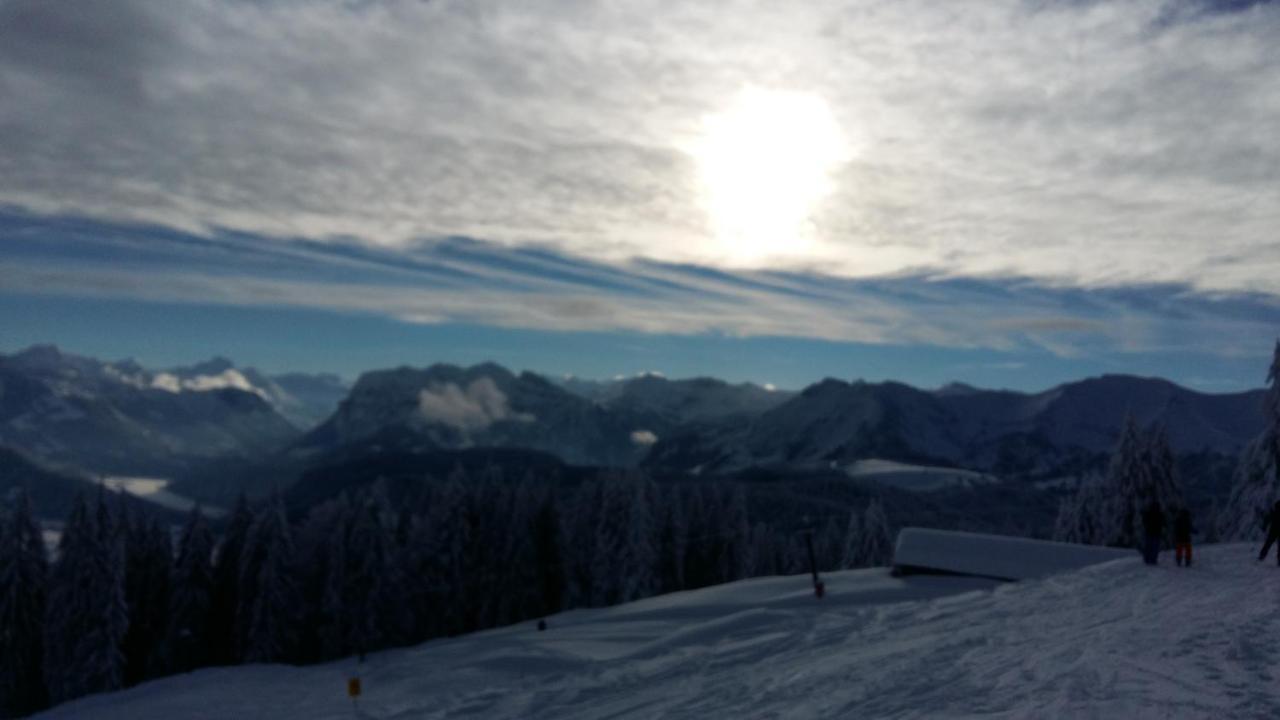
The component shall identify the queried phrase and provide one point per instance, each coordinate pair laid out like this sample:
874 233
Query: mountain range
215 427
837 423
119 418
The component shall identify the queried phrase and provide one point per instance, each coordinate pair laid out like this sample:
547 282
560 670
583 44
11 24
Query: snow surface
1117 640
994 556
917 478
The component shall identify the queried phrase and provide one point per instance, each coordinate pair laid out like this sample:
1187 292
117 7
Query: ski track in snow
1118 640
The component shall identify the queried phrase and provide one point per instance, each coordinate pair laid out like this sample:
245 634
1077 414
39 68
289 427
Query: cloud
1084 144
229 378
475 407
472 282
643 437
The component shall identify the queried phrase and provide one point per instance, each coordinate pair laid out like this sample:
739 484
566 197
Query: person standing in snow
1182 531
1272 527
1152 530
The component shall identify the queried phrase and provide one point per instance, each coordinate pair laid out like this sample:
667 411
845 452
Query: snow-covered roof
992 556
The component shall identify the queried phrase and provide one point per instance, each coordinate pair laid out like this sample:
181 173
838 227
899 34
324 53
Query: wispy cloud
467 281
1082 144
474 407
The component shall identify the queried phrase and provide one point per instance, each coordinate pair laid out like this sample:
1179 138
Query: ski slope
1116 640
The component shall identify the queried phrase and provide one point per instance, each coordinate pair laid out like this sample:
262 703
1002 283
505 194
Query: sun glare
765 163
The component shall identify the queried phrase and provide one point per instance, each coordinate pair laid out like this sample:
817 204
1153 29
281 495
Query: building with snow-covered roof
947 552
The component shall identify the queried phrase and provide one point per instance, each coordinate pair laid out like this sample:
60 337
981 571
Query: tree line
1106 508
126 598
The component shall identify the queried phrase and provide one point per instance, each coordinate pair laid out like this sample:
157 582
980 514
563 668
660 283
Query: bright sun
765 164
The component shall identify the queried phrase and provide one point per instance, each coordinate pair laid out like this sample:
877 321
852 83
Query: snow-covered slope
1113 640
917 478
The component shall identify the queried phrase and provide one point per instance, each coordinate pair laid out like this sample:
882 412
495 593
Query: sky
1006 193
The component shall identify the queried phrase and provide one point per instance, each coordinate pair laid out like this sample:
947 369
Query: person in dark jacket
1272 527
1182 531
1152 530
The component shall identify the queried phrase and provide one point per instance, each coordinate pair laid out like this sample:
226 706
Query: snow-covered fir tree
191 596
1108 510
226 640
639 569
673 534
1141 471
852 546
578 528
322 564
764 550
699 546
1080 516
520 595
148 559
268 601
622 568
828 544
876 548
1164 486
1126 476
86 617
436 559
23 575
736 558
1256 486
370 595
548 556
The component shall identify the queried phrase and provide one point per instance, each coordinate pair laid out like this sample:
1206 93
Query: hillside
1061 430
1113 640
105 418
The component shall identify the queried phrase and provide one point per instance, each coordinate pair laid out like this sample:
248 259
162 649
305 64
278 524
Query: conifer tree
640 559
1126 477
673 535
1256 486
611 543
519 592
192 596
226 639
23 577
369 592
437 560
1080 516
736 530
86 617
321 552
267 593
579 528
877 539
548 557
828 545
852 546
148 557
764 551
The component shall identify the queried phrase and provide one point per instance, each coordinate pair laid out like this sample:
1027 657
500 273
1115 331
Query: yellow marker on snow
353 687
